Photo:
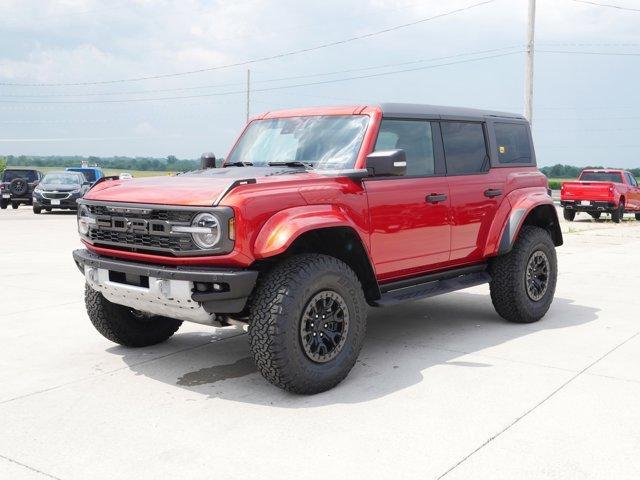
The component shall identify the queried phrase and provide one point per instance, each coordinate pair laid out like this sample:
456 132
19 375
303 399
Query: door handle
492 192
436 198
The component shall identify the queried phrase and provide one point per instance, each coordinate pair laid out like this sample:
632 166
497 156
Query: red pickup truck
316 215
601 190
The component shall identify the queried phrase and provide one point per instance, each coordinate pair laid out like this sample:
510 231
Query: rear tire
569 215
522 292
3 204
121 325
638 216
290 348
618 214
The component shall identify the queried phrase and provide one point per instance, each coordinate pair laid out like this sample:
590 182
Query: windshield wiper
293 163
238 164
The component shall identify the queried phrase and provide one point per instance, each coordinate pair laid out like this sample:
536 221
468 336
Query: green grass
107 171
556 183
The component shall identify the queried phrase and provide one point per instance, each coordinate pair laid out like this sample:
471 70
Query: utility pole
248 93
528 88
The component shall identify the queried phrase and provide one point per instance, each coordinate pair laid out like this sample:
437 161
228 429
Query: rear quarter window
514 143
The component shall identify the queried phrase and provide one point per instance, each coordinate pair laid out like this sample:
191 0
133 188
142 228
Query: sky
74 74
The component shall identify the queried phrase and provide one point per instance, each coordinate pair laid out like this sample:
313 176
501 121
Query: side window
412 136
465 148
514 144
632 179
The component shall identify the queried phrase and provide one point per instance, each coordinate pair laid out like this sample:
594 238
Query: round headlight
209 235
83 222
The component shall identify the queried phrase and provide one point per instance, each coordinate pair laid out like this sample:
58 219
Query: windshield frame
364 141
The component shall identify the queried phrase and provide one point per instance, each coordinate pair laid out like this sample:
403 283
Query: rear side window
464 147
514 144
632 180
614 177
412 136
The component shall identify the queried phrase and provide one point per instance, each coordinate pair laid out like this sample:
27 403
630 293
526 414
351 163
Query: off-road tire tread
508 295
115 323
276 296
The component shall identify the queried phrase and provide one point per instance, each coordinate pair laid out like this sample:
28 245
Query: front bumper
67 203
594 206
190 294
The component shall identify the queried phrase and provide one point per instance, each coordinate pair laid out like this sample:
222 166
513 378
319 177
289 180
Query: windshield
89 173
601 177
327 142
10 175
61 179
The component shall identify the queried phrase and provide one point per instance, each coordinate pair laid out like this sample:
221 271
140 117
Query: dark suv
17 186
59 190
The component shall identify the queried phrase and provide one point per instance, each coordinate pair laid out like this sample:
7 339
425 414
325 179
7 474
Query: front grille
55 195
148 228
135 241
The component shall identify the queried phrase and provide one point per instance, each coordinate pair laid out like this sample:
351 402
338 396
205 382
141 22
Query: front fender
282 229
512 214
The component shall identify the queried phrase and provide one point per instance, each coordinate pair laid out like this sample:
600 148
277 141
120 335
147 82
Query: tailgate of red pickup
597 191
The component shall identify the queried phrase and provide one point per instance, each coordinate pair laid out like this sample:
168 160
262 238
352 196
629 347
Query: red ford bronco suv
315 215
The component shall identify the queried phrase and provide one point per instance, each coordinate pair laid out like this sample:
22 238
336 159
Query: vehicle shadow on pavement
402 344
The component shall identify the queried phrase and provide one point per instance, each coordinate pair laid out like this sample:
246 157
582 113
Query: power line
261 59
323 82
607 5
270 80
609 54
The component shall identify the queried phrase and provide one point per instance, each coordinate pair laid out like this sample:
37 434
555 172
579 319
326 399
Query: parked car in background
317 214
126 176
600 191
17 186
92 174
59 190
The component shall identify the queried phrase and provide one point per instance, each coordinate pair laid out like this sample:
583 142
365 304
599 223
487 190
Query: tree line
168 164
173 164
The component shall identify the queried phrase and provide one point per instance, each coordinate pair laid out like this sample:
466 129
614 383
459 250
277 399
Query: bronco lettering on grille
133 225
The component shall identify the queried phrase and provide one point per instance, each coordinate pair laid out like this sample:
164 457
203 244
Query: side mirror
86 184
207 160
386 163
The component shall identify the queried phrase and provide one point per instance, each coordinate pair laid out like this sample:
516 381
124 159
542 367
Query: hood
200 188
57 187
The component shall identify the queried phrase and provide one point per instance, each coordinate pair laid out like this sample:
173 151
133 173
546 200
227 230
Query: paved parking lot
443 387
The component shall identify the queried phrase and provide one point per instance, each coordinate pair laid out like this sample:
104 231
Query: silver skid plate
169 298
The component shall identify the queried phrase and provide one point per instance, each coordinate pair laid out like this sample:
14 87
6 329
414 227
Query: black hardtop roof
416 110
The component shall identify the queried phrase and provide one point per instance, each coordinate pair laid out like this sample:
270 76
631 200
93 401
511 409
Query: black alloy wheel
324 326
537 275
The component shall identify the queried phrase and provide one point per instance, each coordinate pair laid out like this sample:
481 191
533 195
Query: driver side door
409 215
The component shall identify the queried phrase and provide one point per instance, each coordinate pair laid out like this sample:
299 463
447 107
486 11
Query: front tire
124 326
569 215
523 282
15 205
638 216
307 323
37 210
595 215
3 205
